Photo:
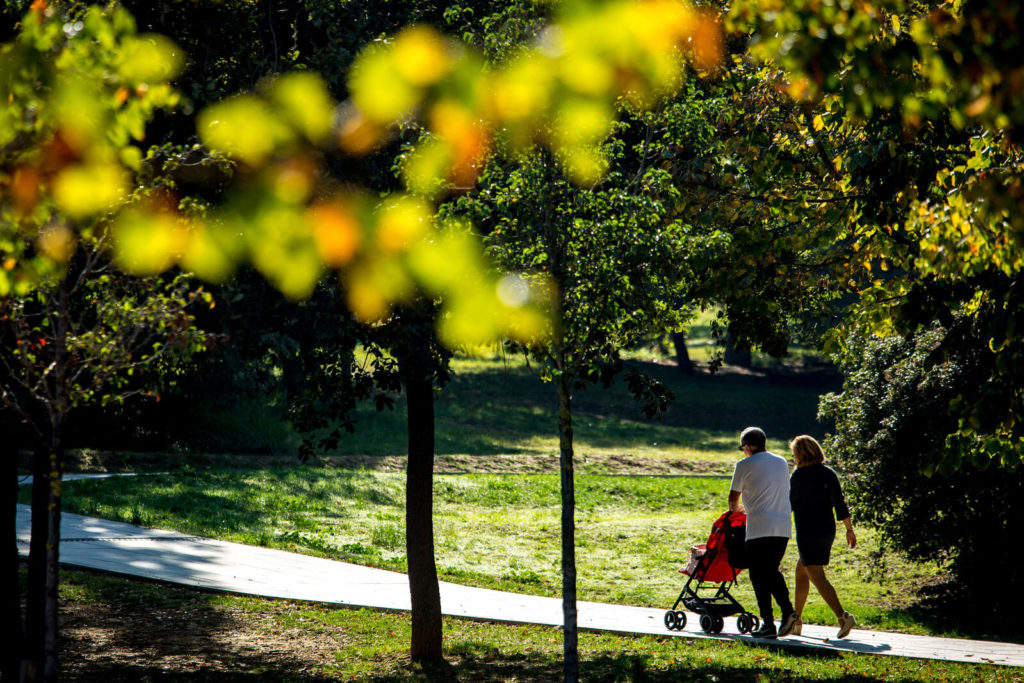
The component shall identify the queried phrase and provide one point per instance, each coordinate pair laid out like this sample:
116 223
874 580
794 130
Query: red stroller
710 564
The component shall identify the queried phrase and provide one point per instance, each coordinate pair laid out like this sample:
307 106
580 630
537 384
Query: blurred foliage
78 90
932 502
291 221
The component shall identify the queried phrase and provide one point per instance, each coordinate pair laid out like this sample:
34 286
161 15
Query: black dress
814 492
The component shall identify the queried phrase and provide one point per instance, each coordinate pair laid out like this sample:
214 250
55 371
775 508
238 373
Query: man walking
762 480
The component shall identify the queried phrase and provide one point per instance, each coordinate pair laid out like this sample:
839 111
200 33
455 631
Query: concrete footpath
205 563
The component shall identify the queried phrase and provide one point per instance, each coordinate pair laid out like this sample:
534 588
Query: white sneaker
846 624
788 622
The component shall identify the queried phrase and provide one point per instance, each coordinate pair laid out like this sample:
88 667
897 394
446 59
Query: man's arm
734 502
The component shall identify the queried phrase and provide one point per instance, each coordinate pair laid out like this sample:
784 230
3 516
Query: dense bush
893 419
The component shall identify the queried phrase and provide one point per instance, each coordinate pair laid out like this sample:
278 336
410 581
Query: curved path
193 561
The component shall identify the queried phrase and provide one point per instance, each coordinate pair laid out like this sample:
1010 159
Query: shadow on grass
623 667
501 410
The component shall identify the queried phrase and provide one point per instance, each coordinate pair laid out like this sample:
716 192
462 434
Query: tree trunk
683 361
570 664
419 510
40 663
10 588
40 658
35 604
52 566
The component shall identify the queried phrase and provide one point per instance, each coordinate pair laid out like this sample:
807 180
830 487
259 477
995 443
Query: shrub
894 419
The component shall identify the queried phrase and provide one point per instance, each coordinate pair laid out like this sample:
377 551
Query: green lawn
496 531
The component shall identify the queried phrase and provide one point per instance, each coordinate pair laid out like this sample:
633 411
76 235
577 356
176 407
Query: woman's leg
816 573
801 587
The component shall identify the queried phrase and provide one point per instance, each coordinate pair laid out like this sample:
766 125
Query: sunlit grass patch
494 531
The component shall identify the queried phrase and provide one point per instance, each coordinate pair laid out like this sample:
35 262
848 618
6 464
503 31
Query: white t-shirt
763 482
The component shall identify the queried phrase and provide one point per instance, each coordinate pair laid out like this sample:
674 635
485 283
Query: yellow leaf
818 123
452 259
522 89
244 127
211 253
401 222
421 55
303 98
897 28
470 317
282 248
586 73
149 58
147 242
91 188
379 90
374 284
366 302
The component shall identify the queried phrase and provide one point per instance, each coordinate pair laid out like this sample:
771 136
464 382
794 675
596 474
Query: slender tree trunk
52 564
40 658
419 513
34 654
10 587
570 664
44 548
682 354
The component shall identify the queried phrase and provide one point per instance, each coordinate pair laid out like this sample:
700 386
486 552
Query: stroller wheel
743 623
719 623
707 623
675 621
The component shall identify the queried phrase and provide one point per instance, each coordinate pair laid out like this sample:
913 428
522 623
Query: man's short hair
753 436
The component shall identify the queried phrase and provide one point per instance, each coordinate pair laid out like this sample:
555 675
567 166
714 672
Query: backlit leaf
147 242
87 189
243 127
303 98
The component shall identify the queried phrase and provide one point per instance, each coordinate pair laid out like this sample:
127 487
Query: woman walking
814 493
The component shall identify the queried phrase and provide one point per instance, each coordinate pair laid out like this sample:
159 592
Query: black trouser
763 556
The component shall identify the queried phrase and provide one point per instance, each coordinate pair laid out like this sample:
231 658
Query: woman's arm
835 493
851 538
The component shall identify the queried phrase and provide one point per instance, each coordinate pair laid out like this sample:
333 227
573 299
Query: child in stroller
719 561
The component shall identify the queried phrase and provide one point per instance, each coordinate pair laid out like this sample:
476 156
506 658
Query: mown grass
373 646
495 531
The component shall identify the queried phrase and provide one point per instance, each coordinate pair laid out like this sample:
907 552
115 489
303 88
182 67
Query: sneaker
798 627
846 624
788 622
766 631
